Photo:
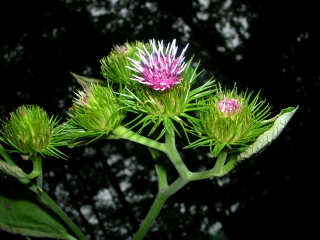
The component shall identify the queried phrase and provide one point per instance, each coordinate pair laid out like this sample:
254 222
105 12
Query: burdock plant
154 83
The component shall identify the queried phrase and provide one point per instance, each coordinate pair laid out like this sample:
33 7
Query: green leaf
12 170
27 214
265 139
85 82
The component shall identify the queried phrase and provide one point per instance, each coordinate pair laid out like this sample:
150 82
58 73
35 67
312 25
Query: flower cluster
152 81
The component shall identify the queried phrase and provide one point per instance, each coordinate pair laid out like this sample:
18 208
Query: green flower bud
231 120
97 110
114 67
30 131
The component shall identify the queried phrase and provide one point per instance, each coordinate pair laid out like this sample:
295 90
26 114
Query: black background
273 196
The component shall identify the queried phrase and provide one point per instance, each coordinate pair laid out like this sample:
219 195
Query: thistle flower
162 91
96 112
159 68
30 131
231 120
167 107
114 66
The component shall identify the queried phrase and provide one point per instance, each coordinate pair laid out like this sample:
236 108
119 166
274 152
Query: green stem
125 133
61 214
217 171
162 176
221 159
157 205
161 171
151 216
27 183
165 191
175 187
173 154
37 166
231 164
37 171
6 156
39 180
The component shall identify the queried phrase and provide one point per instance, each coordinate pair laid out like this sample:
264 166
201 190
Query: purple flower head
229 106
160 69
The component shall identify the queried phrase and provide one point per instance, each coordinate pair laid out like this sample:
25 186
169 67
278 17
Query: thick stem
62 214
173 154
216 171
221 159
157 205
175 186
165 191
125 133
37 167
39 180
231 164
160 170
28 183
151 216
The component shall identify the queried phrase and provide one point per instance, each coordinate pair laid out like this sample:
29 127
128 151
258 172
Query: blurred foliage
107 187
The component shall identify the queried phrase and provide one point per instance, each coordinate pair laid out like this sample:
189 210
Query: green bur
231 121
30 131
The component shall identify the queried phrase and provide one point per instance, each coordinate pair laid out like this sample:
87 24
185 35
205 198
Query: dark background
107 187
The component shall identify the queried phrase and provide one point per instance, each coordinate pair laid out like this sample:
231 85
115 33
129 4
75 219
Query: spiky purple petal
159 69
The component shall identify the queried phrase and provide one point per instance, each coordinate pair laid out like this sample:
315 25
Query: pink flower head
160 70
229 106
